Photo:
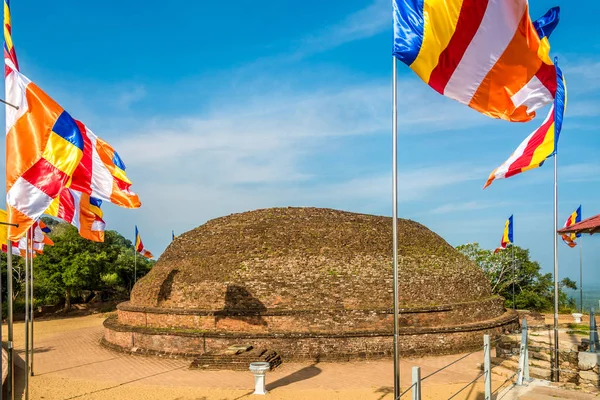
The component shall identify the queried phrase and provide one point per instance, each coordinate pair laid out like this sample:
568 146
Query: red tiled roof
590 225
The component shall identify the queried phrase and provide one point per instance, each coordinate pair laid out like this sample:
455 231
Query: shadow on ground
301 375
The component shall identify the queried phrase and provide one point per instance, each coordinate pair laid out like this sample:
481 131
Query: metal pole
9 288
395 222
32 305
1 347
134 266
514 275
487 366
9 320
581 275
26 339
593 332
556 374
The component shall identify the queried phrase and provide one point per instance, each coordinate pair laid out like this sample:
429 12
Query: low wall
301 344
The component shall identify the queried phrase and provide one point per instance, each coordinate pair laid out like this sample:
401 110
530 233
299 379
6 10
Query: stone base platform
315 346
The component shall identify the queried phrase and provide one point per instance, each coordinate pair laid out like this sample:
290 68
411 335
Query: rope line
466 386
406 391
452 363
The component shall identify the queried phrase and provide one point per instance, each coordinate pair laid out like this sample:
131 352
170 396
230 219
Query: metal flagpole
1 347
555 228
514 275
31 300
134 265
395 222
581 275
26 340
9 320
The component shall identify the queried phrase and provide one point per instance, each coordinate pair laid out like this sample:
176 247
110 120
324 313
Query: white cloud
364 23
131 95
466 206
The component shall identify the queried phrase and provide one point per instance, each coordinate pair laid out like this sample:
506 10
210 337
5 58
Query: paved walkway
70 364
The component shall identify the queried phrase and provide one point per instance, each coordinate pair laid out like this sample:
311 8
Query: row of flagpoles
568 239
55 165
488 55
493 58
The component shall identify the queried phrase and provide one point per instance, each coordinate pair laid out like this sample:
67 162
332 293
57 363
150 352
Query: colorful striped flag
43 144
14 249
101 172
39 231
574 218
541 144
173 237
507 235
80 210
3 228
487 54
139 246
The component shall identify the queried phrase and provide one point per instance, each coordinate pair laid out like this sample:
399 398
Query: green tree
533 289
74 265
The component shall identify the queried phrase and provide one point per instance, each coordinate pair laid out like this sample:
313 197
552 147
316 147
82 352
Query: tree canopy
74 265
533 289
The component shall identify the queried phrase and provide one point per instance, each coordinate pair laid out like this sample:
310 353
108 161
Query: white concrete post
487 366
416 382
259 369
524 355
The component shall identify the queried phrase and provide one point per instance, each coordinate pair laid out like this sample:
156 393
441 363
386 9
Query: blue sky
222 107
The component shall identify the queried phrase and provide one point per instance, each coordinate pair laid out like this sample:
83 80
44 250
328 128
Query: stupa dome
308 276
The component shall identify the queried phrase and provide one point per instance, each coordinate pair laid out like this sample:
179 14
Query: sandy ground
70 364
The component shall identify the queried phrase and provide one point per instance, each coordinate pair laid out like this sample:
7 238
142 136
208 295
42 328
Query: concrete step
540 363
540 373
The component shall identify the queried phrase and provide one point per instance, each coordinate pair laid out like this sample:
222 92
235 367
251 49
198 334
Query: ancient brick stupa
308 283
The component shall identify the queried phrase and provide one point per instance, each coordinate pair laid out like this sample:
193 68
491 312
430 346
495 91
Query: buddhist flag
487 54
139 246
507 235
569 238
15 251
173 237
43 144
3 228
541 144
80 210
39 231
101 172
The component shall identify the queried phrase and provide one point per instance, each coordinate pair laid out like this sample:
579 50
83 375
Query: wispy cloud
130 95
362 24
466 206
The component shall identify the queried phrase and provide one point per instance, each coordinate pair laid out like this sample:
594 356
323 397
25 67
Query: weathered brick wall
307 258
299 345
335 320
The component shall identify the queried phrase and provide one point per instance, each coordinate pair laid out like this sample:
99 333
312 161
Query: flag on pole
14 249
39 233
3 228
43 144
541 144
101 172
507 235
569 238
80 210
173 237
487 54
139 246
